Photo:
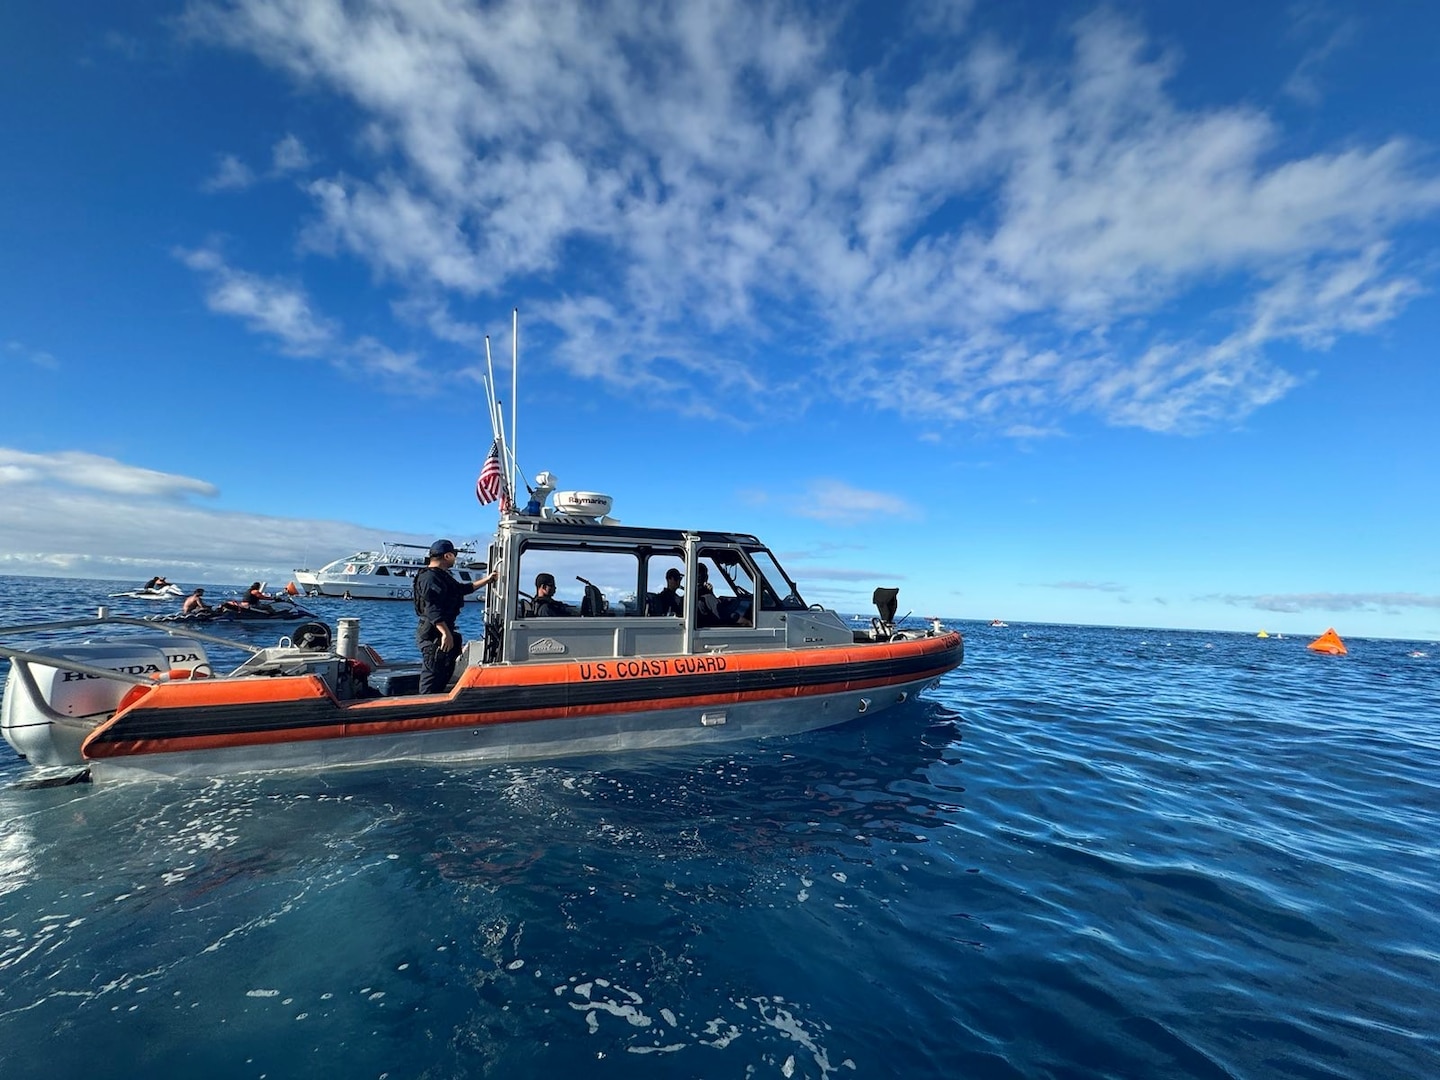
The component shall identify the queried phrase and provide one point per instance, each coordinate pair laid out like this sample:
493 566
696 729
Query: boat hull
512 712
244 620
513 740
357 588
166 593
371 587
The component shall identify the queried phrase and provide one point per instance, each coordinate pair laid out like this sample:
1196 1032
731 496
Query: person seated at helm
194 602
155 583
668 600
545 605
707 604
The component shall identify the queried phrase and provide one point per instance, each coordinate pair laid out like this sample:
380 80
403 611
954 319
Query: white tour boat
387 574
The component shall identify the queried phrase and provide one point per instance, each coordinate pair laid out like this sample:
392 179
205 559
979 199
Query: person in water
194 602
439 599
545 605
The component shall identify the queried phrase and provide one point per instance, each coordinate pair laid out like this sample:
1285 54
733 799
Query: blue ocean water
1088 853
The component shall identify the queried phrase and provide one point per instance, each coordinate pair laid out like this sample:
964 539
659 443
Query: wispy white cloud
838 502
1323 31
751 203
1085 586
1295 603
283 311
231 174
289 155
279 310
19 351
74 469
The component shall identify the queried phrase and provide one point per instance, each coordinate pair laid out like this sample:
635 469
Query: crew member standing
438 601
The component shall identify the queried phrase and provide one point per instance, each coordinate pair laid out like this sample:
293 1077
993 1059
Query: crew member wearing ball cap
668 600
438 601
545 605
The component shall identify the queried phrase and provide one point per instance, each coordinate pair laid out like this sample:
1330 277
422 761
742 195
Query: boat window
777 591
382 571
591 582
733 586
657 565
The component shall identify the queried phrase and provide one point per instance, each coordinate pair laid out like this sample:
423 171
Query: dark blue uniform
438 598
666 602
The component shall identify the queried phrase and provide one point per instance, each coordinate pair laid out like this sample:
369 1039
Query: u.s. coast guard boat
745 657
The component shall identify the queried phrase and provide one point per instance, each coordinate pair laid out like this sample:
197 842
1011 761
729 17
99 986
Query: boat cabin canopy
611 579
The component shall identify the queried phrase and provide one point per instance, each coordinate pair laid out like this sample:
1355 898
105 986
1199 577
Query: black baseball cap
441 547
673 573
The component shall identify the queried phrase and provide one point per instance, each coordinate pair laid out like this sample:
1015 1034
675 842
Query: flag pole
514 393
495 456
497 429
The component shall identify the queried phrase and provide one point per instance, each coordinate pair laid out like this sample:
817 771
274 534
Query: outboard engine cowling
39 729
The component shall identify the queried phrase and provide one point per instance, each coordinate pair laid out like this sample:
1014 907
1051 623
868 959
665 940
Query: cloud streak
19 351
1296 603
283 312
75 470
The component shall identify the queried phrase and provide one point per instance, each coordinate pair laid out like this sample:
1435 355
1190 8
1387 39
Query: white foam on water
598 998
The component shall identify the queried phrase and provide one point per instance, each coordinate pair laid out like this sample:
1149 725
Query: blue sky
1119 314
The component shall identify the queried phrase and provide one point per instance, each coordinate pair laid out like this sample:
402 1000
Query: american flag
487 487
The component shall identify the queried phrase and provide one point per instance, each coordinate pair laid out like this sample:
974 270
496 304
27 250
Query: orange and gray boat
740 656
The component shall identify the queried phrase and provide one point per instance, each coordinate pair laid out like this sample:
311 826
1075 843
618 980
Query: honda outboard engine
48 711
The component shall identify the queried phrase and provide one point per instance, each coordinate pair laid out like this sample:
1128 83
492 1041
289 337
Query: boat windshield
777 591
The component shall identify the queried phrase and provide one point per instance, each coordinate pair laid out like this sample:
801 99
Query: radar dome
586 504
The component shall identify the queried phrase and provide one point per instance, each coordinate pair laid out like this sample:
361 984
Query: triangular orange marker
1328 642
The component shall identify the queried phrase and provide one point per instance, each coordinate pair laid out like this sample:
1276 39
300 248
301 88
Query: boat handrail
128 620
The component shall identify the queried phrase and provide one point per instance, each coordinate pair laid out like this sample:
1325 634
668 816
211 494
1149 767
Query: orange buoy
290 589
1328 642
